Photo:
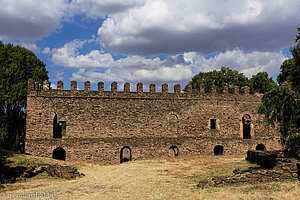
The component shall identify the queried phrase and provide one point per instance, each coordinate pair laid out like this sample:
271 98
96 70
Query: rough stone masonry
109 127
273 167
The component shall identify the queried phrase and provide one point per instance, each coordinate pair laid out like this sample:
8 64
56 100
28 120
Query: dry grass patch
156 178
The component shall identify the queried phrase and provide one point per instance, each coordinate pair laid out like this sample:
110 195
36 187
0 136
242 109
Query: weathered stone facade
112 126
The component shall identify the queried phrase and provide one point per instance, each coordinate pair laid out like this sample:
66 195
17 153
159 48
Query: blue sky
151 41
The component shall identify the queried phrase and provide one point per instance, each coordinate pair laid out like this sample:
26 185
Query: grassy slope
157 178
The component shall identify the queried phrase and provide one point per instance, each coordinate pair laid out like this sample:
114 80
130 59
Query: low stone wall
266 159
13 174
67 172
284 169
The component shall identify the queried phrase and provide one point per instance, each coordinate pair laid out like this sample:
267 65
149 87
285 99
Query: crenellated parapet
152 88
177 89
189 88
164 88
100 86
87 86
32 85
139 87
73 85
114 87
46 89
246 90
46 85
60 85
225 89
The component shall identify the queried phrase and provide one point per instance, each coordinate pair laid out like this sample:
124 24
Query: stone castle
114 126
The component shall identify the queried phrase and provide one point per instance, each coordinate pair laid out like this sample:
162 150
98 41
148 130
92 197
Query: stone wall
107 150
100 123
267 159
280 169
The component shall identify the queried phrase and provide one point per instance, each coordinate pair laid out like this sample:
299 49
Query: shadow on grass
9 174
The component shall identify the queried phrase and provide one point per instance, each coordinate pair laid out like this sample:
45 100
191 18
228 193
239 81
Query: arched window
173 151
125 154
173 123
246 126
260 147
218 150
59 153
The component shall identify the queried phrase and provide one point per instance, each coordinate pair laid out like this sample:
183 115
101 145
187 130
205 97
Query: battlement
35 88
117 126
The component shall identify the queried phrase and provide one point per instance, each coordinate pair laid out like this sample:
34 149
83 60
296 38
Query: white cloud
30 20
30 46
68 56
247 63
59 75
53 86
150 27
46 50
175 26
98 66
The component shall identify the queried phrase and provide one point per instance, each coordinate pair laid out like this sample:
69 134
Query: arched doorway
260 147
125 154
246 126
173 151
218 150
59 154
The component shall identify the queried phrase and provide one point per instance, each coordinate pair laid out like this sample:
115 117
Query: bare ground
153 178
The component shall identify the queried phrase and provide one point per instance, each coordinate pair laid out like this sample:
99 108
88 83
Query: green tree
286 69
225 76
17 64
295 74
262 83
281 105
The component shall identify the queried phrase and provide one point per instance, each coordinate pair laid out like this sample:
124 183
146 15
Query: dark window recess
56 132
59 154
261 147
174 150
59 128
125 154
218 150
213 124
246 126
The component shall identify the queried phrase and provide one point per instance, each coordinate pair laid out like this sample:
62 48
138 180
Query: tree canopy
295 74
260 82
286 68
225 76
17 64
281 105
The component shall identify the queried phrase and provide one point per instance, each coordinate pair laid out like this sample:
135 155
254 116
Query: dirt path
163 178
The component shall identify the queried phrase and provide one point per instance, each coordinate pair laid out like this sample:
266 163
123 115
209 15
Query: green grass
45 175
219 170
20 159
274 187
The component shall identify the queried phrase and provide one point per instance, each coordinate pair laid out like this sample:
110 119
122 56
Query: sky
151 41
